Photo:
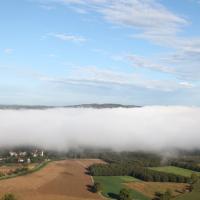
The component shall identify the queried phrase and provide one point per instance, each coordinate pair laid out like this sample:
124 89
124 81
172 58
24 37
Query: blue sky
61 52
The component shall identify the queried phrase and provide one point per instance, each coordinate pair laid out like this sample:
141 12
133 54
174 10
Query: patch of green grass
175 170
111 186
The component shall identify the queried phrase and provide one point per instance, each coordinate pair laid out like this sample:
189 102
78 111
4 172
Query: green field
111 185
175 170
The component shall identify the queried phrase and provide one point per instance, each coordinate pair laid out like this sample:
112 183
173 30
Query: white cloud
92 76
52 55
146 15
68 37
154 22
139 61
47 7
8 51
187 84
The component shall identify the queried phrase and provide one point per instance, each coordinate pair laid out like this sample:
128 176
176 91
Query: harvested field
58 180
150 188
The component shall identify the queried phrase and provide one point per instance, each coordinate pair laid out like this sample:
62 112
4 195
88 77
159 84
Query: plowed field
59 180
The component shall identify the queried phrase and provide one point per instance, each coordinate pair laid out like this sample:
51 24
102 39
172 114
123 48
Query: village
22 156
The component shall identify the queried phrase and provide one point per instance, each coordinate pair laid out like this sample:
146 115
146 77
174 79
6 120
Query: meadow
111 186
175 170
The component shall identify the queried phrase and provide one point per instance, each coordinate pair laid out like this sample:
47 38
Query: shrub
124 194
96 187
8 196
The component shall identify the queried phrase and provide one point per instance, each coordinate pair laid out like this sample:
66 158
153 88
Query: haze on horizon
151 128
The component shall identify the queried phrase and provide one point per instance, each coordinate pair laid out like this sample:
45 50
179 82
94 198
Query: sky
64 52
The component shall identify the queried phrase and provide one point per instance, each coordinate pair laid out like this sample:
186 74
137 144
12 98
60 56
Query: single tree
124 194
167 195
96 187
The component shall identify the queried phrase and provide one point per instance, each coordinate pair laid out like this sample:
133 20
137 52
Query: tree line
186 165
136 171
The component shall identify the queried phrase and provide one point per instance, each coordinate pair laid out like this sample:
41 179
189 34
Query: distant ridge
93 105
105 105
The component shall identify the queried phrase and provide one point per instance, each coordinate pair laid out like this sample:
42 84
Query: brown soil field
149 188
59 180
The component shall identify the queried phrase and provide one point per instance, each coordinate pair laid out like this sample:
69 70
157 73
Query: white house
12 153
42 153
21 160
23 153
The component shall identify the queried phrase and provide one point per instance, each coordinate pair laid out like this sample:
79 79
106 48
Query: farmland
150 188
111 185
194 195
58 180
175 170
190 196
73 179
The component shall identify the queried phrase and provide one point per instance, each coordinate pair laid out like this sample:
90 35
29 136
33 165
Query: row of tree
186 165
136 171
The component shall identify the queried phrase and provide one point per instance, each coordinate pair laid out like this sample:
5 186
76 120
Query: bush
96 187
2 174
8 196
124 194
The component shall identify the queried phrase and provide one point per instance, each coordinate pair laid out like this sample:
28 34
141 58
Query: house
13 154
23 153
35 153
42 153
20 160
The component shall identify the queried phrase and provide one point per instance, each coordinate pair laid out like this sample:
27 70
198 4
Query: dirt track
59 180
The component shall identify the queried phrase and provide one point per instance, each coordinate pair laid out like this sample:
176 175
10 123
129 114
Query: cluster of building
25 156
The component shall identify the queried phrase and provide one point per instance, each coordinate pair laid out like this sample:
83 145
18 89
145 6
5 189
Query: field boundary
37 168
92 179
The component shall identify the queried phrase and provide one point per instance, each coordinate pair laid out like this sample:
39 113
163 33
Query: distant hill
106 105
39 107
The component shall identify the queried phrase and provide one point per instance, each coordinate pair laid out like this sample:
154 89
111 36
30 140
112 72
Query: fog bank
146 128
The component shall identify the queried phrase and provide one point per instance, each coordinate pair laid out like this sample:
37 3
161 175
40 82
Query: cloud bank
146 128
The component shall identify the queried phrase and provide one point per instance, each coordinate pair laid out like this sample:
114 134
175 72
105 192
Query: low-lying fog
146 128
